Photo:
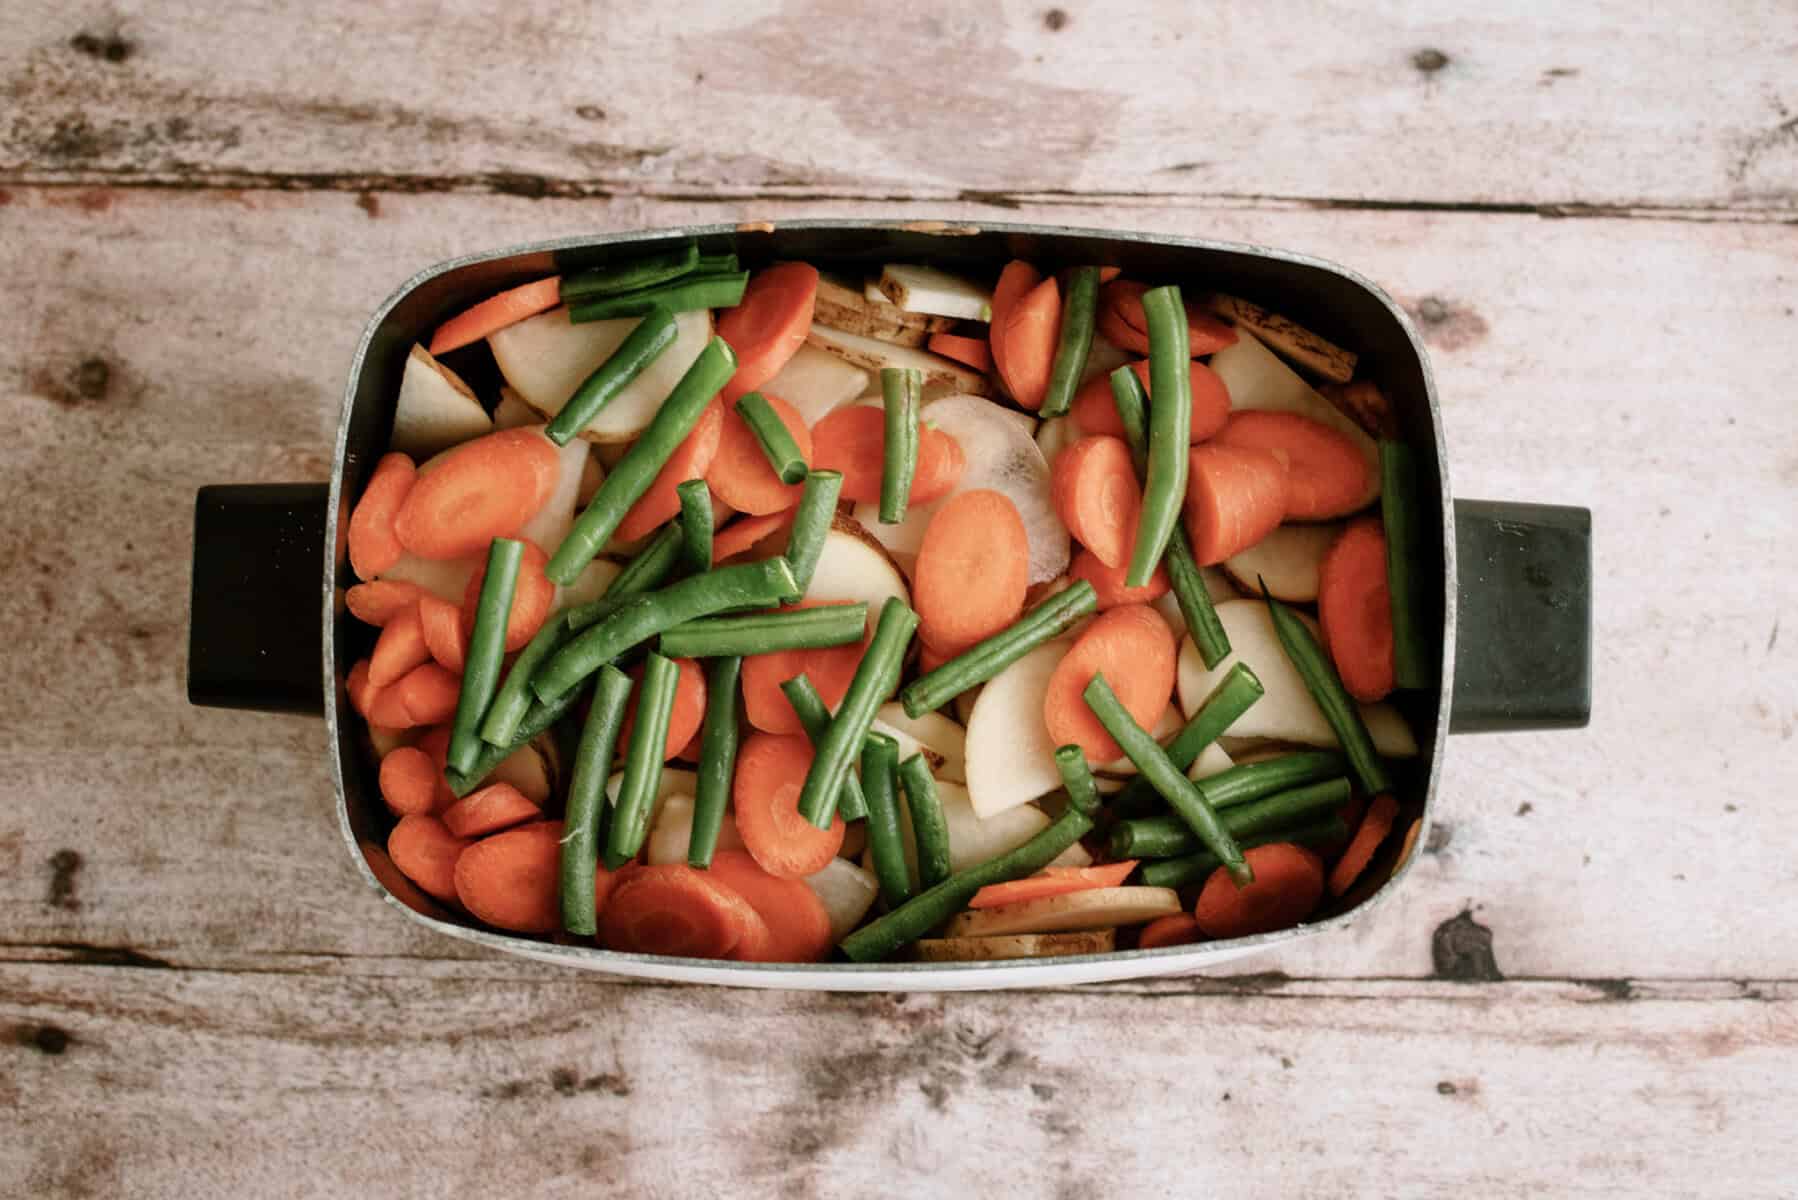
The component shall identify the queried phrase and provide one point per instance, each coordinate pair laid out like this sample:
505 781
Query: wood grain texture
1568 108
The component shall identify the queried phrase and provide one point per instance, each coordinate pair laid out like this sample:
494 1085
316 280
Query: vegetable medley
774 615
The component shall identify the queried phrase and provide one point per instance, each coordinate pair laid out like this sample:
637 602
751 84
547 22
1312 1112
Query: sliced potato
528 769
902 539
556 517
1293 341
963 705
935 292
1011 757
444 578
817 383
972 840
1003 456
1095 908
853 566
512 411
672 833
592 476
847 893
1104 358
1287 710
943 742
1075 856
675 781
1024 945
1055 435
1287 559
873 295
589 585
1211 760
436 409
873 354
840 305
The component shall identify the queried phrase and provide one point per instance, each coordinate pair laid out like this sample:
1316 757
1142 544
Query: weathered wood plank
202 1084
1593 362
1561 107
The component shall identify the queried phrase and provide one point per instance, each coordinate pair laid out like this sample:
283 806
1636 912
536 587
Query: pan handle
254 629
1523 617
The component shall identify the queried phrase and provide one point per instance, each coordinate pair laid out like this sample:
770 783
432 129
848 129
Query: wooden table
1589 986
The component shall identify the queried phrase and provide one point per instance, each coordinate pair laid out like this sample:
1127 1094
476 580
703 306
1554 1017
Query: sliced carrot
830 668
426 852
771 769
512 880
797 921
409 782
435 743
493 808
1235 496
445 635
1175 929
689 708
853 440
690 751
495 313
972 352
532 597
690 460
374 546
1289 881
1122 320
1326 473
1107 274
604 882
380 600
743 534
930 658
972 571
740 473
1108 582
1374 828
1016 281
425 695
362 693
1052 881
1094 410
1024 345
400 647
482 489
673 909
1135 651
1093 484
1355 609
769 324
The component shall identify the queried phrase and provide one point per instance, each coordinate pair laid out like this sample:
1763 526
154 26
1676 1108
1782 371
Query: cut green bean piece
686 294
587 800
1170 430
1076 341
765 633
773 436
1152 761
630 275
985 659
644 344
1325 686
930 829
886 839
643 760
811 522
1167 836
1077 777
514 697
902 395
1132 403
537 718
1195 602
486 651
1234 695
874 681
695 524
814 718
1401 515
717 758
743 585
918 916
1245 782
716 264
633 474
1195 868
647 571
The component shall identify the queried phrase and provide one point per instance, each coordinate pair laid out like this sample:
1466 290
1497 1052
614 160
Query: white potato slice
936 292
1104 358
1286 711
1287 559
874 354
842 305
547 357
1055 435
674 782
1075 856
672 832
963 705
592 477
589 585
1003 456
1024 945
556 517
512 411
1211 761
873 296
847 893
817 383
1312 351
903 539
944 742
445 578
529 770
972 840
853 566
436 409
1011 757
1095 908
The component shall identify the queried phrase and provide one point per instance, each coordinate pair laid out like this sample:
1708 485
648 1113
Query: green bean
1172 872
486 651
653 334
1325 686
643 760
587 799
717 758
1195 602
814 718
695 524
886 840
1149 758
538 717
1076 341
811 522
647 571
514 697
1077 777
1234 695
633 474
773 436
902 396
1132 403
630 275
765 633
930 830
874 681
642 617
1170 430
686 294
716 264
931 907
1167 836
985 659
1401 515
1251 781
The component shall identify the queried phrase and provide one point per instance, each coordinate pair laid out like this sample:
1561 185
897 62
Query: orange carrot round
743 534
769 324
435 743
740 473
1093 483
1052 881
1122 320
798 924
1094 410
970 352
1175 929
830 668
1289 881
445 636
673 909
853 440
1016 281
689 461
1355 609
512 881
489 810
400 647
1025 344
409 782
972 571
689 708
361 692
1108 582
425 695
1234 497
1326 473
426 852
771 769
1374 827
495 313
374 546
482 489
380 600
532 597
1135 651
